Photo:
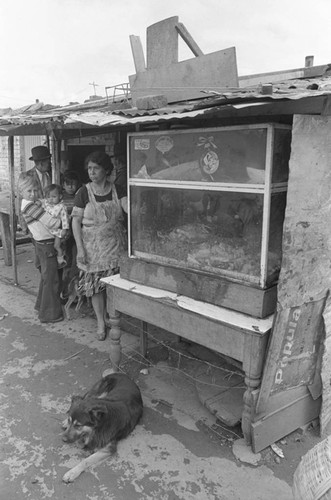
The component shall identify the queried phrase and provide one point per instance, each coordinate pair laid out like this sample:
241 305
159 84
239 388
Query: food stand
206 211
177 268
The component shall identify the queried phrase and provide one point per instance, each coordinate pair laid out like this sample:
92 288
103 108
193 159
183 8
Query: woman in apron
97 223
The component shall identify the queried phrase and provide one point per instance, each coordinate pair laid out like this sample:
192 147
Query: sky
53 50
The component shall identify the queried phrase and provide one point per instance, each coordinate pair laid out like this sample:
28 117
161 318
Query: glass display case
210 201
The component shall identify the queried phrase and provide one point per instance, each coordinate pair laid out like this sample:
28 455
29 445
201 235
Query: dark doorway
76 159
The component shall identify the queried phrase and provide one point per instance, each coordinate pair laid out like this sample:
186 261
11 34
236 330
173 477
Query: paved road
168 456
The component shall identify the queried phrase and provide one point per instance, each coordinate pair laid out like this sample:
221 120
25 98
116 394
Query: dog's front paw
65 424
108 371
71 475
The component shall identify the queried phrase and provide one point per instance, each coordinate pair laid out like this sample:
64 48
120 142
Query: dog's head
84 417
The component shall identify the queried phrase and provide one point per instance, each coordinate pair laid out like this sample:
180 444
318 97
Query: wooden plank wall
186 79
178 81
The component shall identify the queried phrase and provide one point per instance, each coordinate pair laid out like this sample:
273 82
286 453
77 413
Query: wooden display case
206 212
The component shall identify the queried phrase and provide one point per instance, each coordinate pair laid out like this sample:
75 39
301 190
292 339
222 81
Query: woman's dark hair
100 158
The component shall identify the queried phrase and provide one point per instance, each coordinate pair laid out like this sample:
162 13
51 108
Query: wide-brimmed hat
40 153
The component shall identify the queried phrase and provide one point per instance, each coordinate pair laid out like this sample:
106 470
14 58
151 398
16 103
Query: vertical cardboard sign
293 350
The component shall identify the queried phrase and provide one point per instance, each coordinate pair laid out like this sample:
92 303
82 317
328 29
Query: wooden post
188 39
162 43
12 215
309 61
55 148
6 238
254 346
138 53
115 331
144 339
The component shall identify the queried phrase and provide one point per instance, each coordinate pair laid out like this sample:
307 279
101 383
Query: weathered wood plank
217 336
138 53
185 79
6 238
279 76
286 412
325 416
326 111
162 43
226 402
188 39
211 289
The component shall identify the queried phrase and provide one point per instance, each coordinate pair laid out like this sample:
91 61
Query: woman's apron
103 233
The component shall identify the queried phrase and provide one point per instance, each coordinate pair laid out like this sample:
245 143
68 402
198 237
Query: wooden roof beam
188 39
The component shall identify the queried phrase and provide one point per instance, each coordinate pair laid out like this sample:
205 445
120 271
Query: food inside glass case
211 200
209 156
204 230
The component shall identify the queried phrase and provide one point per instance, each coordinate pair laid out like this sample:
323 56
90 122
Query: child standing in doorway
53 205
71 183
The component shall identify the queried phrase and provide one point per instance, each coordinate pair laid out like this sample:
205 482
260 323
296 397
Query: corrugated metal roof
227 102
103 119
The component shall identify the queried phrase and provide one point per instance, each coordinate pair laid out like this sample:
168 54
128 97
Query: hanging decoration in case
164 144
209 160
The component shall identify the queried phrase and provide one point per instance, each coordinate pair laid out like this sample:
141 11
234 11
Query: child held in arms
54 206
41 225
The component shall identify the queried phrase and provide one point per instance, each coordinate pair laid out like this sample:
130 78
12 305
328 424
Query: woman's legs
99 306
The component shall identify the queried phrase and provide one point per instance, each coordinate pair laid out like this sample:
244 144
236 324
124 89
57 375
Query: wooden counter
237 335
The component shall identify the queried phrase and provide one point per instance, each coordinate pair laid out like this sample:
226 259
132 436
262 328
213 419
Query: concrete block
152 102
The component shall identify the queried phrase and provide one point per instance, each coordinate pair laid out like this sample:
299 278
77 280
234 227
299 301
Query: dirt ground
168 381
294 445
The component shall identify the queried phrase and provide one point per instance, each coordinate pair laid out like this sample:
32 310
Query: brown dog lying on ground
98 420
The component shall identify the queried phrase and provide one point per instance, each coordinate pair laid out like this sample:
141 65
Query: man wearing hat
41 172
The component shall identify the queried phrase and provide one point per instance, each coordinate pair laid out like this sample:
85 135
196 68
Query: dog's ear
74 402
97 413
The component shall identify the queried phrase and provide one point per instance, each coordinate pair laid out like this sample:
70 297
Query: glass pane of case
197 199
277 214
218 232
234 155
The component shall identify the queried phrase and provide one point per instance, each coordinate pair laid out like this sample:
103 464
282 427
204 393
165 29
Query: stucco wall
306 271
306 265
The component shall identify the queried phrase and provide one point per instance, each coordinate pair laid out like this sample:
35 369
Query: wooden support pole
188 39
6 238
144 339
12 215
138 53
56 158
309 61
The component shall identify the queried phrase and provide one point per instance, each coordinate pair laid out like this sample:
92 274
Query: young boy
54 206
71 183
40 225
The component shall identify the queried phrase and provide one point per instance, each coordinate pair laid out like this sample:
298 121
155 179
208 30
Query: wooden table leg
115 331
254 353
5 238
144 339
